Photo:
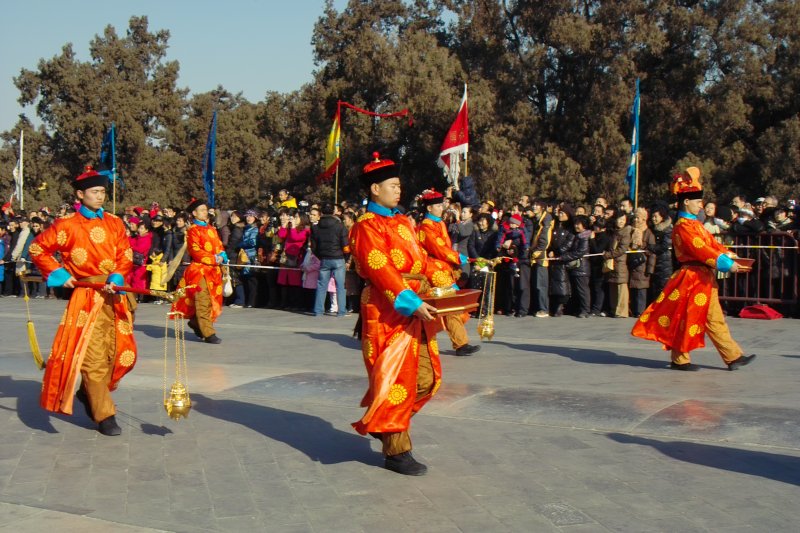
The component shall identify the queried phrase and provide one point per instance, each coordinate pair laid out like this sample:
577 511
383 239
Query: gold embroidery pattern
365 216
433 346
711 263
128 254
35 250
376 260
694 329
393 338
390 295
644 318
700 299
397 394
674 295
107 266
97 235
195 247
697 242
416 268
441 279
79 256
206 261
219 290
398 258
404 233
439 241
83 316
421 236
127 358
663 321
124 327
660 297
367 349
211 232
207 246
61 237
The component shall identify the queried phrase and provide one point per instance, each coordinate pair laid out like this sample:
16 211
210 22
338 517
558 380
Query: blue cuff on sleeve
117 279
407 302
456 287
724 263
463 258
224 256
58 277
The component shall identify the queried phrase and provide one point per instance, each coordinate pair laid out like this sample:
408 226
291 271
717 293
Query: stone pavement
558 424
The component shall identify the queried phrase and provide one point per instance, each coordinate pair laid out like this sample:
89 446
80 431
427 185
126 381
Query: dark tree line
550 89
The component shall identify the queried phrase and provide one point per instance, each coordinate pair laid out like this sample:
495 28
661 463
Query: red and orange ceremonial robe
677 318
433 237
203 244
384 248
92 249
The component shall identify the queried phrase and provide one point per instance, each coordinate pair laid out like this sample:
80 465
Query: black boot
404 463
213 339
742 361
109 427
81 396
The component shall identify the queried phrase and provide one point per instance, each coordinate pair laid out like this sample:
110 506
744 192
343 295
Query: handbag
608 265
575 264
289 261
139 259
636 260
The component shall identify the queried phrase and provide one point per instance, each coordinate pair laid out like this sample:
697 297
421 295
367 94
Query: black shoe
195 328
521 315
81 396
583 315
109 427
685 366
404 463
213 339
467 349
742 361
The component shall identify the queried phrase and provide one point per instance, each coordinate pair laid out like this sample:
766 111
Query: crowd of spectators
552 257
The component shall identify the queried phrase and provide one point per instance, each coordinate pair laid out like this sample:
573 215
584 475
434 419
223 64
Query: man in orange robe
202 303
398 329
433 237
688 307
95 336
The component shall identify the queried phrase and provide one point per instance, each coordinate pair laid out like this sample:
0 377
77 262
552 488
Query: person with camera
294 232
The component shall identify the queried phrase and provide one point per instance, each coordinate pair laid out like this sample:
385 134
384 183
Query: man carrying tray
688 307
95 336
434 239
398 329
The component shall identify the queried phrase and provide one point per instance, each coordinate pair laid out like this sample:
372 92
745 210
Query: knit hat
686 185
90 178
251 213
378 170
516 218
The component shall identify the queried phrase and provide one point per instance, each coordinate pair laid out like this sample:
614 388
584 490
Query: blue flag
108 156
631 177
210 160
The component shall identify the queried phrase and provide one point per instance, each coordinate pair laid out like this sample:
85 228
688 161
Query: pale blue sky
244 45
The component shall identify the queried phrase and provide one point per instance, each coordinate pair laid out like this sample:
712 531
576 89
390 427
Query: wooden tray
465 300
745 263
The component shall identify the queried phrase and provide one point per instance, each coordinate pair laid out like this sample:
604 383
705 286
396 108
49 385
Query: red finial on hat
376 157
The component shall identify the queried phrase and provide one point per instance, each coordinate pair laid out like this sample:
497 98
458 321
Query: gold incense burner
177 402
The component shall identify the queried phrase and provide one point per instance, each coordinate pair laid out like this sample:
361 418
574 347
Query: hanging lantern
177 403
486 312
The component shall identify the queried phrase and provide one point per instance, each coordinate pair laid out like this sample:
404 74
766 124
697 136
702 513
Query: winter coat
140 244
580 247
482 244
640 276
560 245
599 244
329 238
662 251
294 241
620 243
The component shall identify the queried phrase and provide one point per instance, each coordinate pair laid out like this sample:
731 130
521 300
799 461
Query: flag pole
336 187
338 153
636 186
113 169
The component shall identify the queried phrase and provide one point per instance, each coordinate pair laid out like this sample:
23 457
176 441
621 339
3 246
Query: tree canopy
550 91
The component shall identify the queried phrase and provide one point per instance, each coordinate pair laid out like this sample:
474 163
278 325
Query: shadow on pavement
343 339
783 468
582 355
312 435
28 410
157 332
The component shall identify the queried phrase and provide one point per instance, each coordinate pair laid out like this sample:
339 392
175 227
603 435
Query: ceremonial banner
332 149
19 173
210 160
108 156
632 176
455 143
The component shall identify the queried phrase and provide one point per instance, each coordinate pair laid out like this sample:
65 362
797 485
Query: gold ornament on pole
178 403
486 312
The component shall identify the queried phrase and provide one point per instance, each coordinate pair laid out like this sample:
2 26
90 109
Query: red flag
456 142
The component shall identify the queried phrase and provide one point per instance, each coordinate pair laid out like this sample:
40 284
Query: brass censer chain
178 404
